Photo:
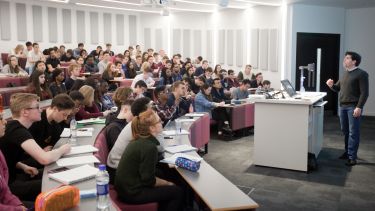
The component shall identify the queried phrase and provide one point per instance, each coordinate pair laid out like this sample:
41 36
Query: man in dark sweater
354 91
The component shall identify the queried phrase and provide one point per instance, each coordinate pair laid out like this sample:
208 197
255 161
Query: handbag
60 198
188 164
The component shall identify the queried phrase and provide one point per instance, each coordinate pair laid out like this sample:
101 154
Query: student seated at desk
145 76
231 81
203 103
140 90
166 77
90 66
74 71
242 91
257 82
161 107
18 144
13 68
217 92
136 181
113 130
38 85
110 73
90 109
106 101
47 131
8 201
140 105
119 97
179 97
57 86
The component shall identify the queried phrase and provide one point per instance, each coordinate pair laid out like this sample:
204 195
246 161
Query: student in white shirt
145 76
33 56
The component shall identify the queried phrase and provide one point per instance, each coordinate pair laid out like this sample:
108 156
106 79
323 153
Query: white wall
198 32
312 19
359 37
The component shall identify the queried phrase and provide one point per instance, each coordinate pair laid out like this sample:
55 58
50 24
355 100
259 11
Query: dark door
307 47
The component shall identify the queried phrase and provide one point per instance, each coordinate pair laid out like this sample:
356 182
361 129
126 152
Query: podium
286 130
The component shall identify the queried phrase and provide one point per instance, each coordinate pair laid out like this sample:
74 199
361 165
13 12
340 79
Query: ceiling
156 6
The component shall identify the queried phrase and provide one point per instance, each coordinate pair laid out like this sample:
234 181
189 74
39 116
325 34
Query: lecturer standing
354 91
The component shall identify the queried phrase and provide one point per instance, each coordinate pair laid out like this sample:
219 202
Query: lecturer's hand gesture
329 83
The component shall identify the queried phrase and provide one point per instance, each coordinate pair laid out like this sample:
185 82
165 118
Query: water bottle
102 188
73 131
178 129
258 91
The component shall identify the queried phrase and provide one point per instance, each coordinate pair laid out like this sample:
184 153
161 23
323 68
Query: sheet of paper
65 133
174 132
180 148
187 120
194 114
82 149
77 160
92 121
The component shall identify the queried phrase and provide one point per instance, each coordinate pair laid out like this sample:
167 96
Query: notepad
172 159
194 114
186 120
174 132
180 148
75 175
82 149
81 132
77 160
92 121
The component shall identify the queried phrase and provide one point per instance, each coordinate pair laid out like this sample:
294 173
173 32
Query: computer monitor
288 87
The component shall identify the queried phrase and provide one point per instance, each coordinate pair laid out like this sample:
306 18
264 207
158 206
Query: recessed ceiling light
118 8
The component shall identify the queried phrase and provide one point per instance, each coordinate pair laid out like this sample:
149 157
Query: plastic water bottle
73 131
102 188
178 129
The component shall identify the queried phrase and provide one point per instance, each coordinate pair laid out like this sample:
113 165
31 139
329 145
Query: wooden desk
6 93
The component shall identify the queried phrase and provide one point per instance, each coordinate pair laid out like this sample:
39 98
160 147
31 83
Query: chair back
101 144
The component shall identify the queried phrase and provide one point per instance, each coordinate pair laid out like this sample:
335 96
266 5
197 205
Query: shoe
344 156
351 162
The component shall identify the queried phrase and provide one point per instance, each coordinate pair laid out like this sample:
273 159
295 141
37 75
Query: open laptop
289 89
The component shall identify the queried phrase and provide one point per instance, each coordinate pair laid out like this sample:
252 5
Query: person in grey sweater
242 91
353 90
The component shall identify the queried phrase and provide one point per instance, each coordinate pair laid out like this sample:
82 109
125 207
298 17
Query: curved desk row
213 188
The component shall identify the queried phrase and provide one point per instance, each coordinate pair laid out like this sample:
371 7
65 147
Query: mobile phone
57 170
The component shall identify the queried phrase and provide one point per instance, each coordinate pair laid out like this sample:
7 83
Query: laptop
289 88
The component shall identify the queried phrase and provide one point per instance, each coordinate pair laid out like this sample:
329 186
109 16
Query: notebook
81 132
194 114
180 148
74 175
92 121
77 160
82 149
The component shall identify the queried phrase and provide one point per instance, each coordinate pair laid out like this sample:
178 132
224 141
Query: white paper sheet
173 132
82 149
77 160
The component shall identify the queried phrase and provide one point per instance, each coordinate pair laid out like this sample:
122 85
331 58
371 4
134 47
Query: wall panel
132 30
67 25
52 25
197 43
263 49
158 39
147 38
209 46
221 44
94 26
239 48
4 20
107 27
120 29
21 22
273 50
176 41
254 48
81 32
230 47
186 43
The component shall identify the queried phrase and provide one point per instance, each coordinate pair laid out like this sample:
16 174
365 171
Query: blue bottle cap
102 167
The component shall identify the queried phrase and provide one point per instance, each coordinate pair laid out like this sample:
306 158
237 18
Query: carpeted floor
333 186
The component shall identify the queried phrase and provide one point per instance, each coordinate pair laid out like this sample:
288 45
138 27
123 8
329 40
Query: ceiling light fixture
194 2
191 10
118 8
260 3
122 2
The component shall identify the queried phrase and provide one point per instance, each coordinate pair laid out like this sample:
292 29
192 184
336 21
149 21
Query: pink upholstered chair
102 155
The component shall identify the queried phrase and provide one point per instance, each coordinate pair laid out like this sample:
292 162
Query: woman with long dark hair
39 86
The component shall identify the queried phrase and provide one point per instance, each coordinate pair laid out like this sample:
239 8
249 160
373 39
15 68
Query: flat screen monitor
288 87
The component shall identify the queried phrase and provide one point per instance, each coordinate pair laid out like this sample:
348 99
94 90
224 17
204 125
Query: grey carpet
333 186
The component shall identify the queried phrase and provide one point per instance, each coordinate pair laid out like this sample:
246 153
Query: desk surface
307 98
213 188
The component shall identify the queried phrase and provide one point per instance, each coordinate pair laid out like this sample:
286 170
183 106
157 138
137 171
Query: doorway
311 46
